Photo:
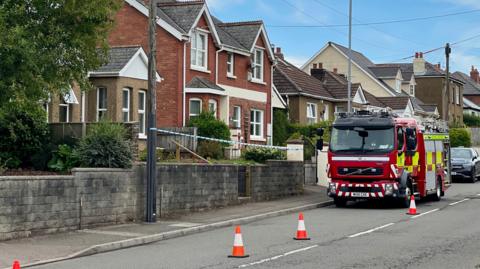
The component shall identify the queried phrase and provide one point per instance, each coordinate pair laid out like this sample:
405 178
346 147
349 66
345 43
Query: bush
471 120
23 131
260 155
208 126
280 127
41 158
460 137
64 159
309 134
210 149
105 145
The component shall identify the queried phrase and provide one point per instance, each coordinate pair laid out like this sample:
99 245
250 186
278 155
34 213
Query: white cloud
463 60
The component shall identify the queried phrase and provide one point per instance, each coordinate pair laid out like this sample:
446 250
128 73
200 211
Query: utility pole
151 203
448 50
350 58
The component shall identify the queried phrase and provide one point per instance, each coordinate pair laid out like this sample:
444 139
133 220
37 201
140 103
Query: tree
45 45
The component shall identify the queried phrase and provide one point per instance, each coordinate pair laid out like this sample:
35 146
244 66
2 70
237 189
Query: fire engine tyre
438 191
339 202
405 201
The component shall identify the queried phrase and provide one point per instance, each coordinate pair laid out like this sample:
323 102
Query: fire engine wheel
405 201
339 202
438 191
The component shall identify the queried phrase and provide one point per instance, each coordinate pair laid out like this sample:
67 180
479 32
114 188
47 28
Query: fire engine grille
361 171
361 189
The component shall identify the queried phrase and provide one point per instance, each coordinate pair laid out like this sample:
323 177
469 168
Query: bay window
126 105
141 111
101 102
195 107
311 113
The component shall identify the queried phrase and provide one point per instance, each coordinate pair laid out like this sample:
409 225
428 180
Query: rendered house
119 93
206 64
420 81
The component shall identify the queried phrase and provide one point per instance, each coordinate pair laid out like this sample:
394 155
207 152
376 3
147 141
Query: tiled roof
118 57
470 87
469 104
429 107
288 78
226 38
203 83
382 71
183 14
245 33
395 102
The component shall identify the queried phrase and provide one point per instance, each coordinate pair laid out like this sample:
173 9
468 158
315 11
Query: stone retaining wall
96 197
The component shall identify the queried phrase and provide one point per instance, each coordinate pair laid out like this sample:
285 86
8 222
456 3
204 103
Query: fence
165 140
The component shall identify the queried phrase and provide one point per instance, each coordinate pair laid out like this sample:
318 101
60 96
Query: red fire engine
378 156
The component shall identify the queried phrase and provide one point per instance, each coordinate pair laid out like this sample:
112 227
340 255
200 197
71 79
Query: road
364 235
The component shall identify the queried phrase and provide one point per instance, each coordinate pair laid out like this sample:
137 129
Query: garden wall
97 197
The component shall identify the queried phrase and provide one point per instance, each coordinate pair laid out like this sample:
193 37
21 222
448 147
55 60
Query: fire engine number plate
359 194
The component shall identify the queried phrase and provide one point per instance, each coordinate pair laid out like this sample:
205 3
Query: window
212 107
412 90
256 123
400 138
258 65
199 50
311 113
63 111
236 119
126 105
398 85
326 112
101 103
230 64
141 111
457 95
195 107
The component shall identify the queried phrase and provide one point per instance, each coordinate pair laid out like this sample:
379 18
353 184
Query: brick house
471 91
119 92
205 64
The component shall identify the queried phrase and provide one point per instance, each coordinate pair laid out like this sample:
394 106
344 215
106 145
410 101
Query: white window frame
126 109
326 112
231 65
457 95
398 85
190 107
215 106
312 112
412 90
67 105
104 110
237 121
254 121
142 133
195 51
258 63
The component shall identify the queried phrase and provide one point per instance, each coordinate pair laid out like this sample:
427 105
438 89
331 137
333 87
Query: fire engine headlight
388 189
332 188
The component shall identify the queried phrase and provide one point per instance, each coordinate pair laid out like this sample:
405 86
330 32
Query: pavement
57 247
445 234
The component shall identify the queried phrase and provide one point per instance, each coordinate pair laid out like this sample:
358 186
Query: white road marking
458 202
371 230
425 213
278 256
184 224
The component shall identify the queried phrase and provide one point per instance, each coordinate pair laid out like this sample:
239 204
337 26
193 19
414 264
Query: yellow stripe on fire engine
439 158
436 136
401 160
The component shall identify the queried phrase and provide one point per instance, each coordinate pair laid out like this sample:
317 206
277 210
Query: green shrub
105 145
280 126
210 149
208 126
309 135
64 159
41 158
471 120
161 155
23 131
460 137
260 155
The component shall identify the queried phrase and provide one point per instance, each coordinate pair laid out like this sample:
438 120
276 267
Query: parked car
465 164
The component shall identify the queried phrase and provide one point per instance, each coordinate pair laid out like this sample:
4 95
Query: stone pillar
295 150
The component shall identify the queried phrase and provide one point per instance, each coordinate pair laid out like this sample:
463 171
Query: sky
381 43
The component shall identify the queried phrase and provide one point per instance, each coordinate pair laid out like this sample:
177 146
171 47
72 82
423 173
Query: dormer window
412 90
398 85
199 50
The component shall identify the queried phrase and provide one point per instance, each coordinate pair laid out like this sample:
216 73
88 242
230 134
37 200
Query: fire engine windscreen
362 139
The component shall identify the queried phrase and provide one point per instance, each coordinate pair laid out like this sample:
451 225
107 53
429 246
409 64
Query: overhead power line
380 22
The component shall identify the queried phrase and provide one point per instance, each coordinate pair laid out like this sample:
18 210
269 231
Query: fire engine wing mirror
320 144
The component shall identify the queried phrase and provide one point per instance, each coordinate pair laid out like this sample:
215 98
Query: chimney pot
420 54
279 50
335 70
416 54
320 65
314 66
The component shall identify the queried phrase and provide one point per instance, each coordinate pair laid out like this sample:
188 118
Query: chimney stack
278 53
474 75
318 73
419 64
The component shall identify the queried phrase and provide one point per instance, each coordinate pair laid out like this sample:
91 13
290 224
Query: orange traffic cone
413 208
301 231
16 265
238 250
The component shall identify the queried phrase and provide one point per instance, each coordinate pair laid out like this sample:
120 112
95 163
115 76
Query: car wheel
438 191
339 202
473 178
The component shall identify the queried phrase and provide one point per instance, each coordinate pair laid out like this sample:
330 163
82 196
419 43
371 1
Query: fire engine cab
379 156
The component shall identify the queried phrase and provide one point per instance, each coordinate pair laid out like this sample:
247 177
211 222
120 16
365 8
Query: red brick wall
204 97
246 106
131 29
473 98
